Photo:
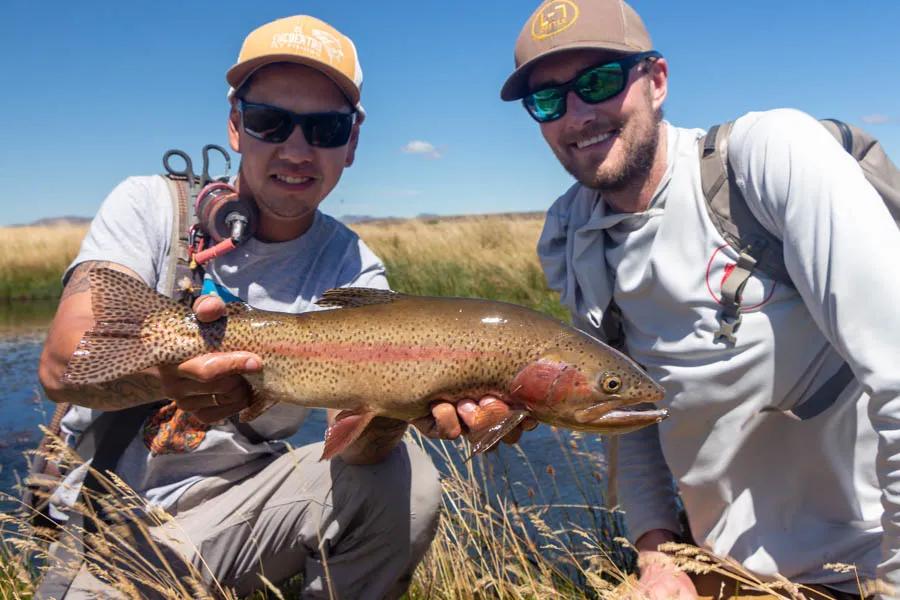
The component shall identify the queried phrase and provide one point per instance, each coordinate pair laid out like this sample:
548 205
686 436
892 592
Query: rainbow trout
378 353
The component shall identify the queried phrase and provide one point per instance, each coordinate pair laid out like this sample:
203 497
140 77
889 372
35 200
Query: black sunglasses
275 125
593 85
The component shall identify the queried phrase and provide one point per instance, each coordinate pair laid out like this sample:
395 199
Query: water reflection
34 316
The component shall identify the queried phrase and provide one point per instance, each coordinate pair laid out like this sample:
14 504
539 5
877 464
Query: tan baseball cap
561 25
304 40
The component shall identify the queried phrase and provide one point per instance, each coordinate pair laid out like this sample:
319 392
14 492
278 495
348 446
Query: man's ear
351 145
234 128
659 82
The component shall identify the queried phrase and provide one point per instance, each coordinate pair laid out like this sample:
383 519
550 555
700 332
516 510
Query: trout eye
611 384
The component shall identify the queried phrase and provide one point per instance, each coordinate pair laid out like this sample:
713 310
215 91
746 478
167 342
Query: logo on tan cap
554 18
304 40
319 44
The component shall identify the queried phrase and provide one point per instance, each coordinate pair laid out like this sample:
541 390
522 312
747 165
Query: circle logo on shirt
719 268
171 430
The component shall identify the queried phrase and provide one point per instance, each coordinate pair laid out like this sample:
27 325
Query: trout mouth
624 420
619 413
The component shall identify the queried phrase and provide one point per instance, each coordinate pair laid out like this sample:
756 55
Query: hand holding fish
448 421
211 385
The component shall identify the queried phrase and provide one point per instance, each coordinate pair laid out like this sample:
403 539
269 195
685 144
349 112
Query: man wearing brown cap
245 506
780 489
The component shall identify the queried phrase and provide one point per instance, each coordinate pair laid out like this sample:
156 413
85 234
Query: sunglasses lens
600 83
328 130
275 125
267 123
545 105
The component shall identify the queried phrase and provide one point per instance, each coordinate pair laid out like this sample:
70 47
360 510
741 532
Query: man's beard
639 138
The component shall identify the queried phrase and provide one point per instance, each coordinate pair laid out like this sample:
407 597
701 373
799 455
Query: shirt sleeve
645 485
368 270
132 229
840 248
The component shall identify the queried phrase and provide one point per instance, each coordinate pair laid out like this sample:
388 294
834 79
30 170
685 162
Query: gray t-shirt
172 450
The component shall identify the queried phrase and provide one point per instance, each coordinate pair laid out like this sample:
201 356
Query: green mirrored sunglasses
593 85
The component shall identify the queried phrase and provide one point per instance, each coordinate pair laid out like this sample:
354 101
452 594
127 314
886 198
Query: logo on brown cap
554 18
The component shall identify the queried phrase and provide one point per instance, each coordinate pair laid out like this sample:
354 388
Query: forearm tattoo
79 281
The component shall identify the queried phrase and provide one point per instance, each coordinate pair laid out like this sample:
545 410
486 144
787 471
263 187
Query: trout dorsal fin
355 297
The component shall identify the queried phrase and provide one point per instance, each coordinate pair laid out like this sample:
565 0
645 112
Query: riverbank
34 259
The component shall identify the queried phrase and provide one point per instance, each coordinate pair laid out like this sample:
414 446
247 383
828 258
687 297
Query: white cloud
876 119
422 148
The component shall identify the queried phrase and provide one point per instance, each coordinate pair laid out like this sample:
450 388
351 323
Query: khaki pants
354 532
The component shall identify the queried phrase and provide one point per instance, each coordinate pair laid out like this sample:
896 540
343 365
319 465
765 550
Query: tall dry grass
493 542
488 256
481 256
34 258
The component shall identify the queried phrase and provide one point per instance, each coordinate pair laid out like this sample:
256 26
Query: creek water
551 468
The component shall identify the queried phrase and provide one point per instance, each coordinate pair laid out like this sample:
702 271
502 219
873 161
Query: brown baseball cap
562 25
304 40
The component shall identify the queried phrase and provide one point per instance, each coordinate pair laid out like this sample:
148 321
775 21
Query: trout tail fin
116 346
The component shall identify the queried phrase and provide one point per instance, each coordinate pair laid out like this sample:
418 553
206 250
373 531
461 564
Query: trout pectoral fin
345 430
485 439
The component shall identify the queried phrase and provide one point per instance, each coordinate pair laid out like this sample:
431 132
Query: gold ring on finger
215 400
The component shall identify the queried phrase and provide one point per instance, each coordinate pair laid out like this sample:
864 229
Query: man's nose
296 148
578 110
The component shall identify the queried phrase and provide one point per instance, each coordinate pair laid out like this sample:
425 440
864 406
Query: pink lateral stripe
369 353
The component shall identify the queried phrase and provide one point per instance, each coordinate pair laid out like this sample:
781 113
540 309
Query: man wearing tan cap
763 481
245 506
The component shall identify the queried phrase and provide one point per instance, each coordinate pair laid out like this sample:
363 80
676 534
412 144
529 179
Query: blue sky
97 91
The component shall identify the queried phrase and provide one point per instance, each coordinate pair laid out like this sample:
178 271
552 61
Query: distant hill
353 219
56 222
346 219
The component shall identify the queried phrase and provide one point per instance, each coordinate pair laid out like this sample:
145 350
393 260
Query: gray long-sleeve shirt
777 494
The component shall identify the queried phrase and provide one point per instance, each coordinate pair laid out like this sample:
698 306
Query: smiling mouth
597 139
292 180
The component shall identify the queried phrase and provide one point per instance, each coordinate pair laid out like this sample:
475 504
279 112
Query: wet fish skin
378 354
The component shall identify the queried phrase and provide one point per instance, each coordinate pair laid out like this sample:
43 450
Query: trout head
585 385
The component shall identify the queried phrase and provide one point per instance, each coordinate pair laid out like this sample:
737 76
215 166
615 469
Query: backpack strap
880 172
181 277
757 247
